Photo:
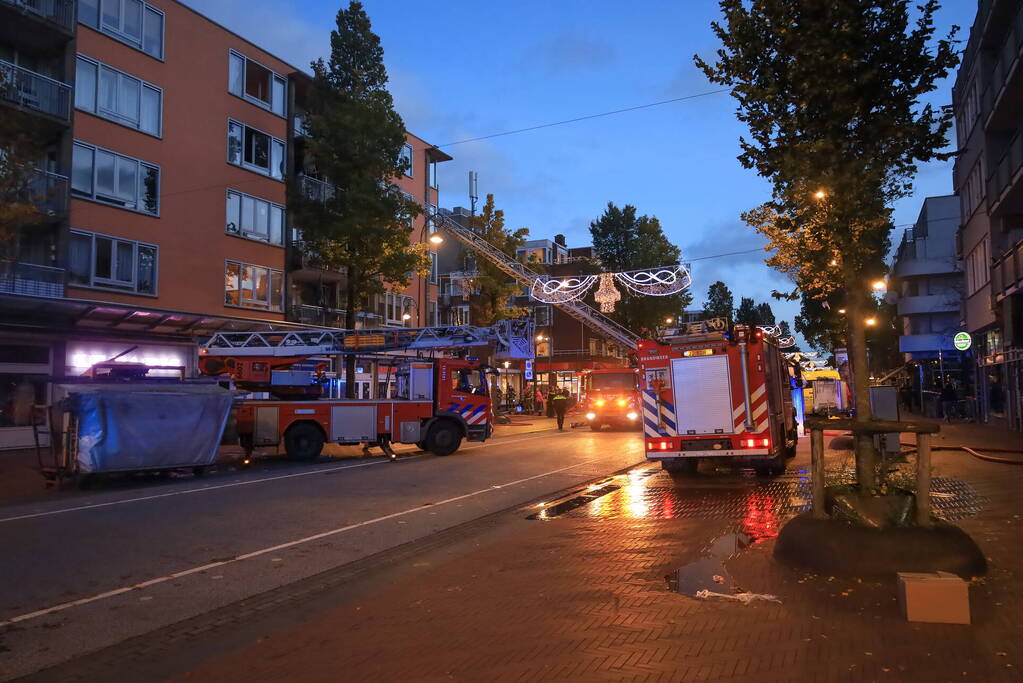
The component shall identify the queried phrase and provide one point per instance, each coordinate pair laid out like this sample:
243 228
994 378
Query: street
92 571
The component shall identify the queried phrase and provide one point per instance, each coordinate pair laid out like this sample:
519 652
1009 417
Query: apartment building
171 141
988 177
926 286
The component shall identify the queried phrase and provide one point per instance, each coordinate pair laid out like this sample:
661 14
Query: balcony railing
24 88
1005 60
59 12
316 190
29 279
1007 272
48 191
1007 167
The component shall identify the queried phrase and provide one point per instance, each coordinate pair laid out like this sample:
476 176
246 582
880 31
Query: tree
494 285
765 316
831 95
746 313
356 138
720 303
624 241
20 151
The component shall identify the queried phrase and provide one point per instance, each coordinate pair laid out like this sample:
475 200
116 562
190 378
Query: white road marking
247 482
272 549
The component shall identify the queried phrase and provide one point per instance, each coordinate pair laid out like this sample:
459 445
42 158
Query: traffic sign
528 370
962 340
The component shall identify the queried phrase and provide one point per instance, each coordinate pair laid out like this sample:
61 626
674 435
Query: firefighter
559 399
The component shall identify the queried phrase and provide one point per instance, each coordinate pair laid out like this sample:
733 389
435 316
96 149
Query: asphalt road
85 572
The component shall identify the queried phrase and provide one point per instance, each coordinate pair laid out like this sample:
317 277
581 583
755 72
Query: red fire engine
431 402
710 394
611 398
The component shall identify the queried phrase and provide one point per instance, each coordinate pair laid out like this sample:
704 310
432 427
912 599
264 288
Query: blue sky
463 69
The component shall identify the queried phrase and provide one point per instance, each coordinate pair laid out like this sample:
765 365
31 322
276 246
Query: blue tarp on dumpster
126 427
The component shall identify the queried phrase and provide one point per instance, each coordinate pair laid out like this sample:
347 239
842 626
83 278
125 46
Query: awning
20 312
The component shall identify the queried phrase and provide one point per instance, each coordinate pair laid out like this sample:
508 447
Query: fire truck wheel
303 441
444 438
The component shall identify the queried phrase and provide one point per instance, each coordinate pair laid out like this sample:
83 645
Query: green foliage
720 303
623 241
21 151
356 138
752 313
495 287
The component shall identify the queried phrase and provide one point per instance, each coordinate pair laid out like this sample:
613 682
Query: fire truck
611 398
433 402
710 394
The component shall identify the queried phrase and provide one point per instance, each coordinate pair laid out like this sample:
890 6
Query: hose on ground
973 452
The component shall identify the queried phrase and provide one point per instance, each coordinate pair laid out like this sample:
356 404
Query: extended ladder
577 309
511 339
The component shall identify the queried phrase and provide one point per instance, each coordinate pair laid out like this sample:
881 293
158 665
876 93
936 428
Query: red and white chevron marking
758 403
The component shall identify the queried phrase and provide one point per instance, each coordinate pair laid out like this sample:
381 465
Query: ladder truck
735 402
433 402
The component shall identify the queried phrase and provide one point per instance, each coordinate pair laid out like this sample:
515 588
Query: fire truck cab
717 395
611 398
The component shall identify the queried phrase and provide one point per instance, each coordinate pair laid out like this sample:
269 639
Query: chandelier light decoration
660 281
606 295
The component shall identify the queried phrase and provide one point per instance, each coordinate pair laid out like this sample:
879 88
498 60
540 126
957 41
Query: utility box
939 598
884 405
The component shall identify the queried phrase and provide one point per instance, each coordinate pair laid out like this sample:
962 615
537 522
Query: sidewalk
583 597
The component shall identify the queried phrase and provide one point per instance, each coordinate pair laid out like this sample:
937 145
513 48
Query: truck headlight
591 416
631 416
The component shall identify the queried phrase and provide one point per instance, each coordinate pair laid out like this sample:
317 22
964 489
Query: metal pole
817 473
923 479
941 367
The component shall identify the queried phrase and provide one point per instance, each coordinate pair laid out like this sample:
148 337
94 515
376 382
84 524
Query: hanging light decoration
606 295
663 281
783 341
561 290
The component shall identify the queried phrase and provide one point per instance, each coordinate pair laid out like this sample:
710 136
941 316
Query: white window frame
274 77
117 34
268 172
459 315
255 304
394 306
255 236
97 110
433 175
139 193
112 284
408 153
978 266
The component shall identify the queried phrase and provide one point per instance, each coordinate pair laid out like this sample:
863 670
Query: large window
111 178
115 95
433 174
458 315
396 305
255 150
250 286
406 158
112 263
256 83
254 218
131 21
978 266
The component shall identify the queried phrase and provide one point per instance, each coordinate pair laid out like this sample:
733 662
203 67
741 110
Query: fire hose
974 453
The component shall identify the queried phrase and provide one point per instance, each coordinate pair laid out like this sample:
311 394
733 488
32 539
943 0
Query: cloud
568 52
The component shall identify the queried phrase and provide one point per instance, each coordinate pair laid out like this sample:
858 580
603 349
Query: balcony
315 190
49 192
28 279
59 13
930 303
1006 60
34 92
1002 175
1007 273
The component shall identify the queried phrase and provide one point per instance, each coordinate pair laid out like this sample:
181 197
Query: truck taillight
765 442
751 443
664 445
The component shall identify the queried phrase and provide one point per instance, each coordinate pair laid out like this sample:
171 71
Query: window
131 21
431 313
254 218
972 191
250 286
256 83
255 150
968 112
433 175
115 95
104 176
978 266
542 316
106 262
459 315
396 305
406 159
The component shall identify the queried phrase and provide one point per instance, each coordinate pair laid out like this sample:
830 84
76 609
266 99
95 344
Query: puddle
708 572
570 504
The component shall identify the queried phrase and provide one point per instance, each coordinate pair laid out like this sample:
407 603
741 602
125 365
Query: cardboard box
941 598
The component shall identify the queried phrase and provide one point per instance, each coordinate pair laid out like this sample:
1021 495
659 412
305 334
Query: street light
820 194
435 238
406 316
871 321
841 311
878 285
669 320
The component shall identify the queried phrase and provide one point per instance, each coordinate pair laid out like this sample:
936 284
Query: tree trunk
351 309
866 457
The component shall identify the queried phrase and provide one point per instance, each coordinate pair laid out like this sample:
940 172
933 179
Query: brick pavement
583 597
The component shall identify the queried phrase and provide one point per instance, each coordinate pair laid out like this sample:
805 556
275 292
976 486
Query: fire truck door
703 395
421 382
